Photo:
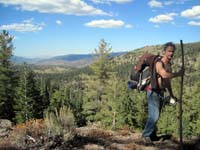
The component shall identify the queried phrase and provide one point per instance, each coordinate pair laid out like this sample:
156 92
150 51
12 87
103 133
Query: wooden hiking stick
180 99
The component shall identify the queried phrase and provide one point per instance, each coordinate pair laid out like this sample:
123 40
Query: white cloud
111 1
156 26
25 26
181 1
154 3
121 1
107 24
193 13
67 7
58 22
128 26
169 2
177 2
194 23
163 18
173 23
28 20
15 38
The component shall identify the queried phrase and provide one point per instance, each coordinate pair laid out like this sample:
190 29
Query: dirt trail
95 138
98 139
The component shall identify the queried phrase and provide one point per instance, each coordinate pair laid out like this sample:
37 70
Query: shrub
32 128
60 123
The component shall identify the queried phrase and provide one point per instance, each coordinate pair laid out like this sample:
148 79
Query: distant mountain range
72 60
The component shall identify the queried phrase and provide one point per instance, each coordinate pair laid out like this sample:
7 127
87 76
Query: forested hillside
63 61
96 94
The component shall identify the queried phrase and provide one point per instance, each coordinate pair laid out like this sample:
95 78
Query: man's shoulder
159 63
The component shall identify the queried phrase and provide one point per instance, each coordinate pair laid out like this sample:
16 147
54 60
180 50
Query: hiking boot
156 138
147 141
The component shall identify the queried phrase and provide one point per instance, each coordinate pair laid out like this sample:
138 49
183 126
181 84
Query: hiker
154 97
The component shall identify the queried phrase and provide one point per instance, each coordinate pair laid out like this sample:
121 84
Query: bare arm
169 87
167 76
163 73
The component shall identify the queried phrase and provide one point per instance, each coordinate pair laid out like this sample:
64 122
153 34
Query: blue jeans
154 107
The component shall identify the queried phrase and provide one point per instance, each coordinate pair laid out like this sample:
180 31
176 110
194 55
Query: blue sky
44 28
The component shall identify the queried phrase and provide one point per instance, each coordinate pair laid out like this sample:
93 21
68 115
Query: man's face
169 52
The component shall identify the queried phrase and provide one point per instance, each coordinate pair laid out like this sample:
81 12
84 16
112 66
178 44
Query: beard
170 57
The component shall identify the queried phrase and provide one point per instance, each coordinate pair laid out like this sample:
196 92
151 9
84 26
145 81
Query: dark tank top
164 83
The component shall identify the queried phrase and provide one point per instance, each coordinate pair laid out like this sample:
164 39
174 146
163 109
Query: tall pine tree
95 98
7 77
28 104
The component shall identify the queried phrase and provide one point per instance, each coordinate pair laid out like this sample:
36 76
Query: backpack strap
154 74
162 65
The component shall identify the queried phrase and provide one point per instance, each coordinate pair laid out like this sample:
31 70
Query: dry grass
42 132
32 128
60 123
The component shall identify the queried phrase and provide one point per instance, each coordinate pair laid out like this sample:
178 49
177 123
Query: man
154 98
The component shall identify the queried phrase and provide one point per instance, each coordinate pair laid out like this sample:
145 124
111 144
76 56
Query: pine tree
28 102
75 92
57 99
42 103
95 99
7 76
100 67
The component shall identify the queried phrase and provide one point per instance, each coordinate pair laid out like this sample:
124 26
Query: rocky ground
99 139
86 138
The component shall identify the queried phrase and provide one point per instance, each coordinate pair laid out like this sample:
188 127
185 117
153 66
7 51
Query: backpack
144 73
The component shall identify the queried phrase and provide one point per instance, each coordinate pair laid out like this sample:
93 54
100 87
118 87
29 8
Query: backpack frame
144 73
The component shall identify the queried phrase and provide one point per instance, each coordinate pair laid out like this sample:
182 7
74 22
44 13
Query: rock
93 147
5 123
4 132
5 127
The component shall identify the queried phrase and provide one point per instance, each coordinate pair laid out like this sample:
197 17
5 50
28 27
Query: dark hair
169 44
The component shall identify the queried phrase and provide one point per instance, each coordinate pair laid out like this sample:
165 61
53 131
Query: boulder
5 127
5 123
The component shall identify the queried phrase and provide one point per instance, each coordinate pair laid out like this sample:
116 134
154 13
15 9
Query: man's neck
165 60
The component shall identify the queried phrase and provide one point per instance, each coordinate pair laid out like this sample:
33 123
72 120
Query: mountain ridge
71 60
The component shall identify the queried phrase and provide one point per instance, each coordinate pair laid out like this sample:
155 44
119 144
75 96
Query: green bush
61 122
